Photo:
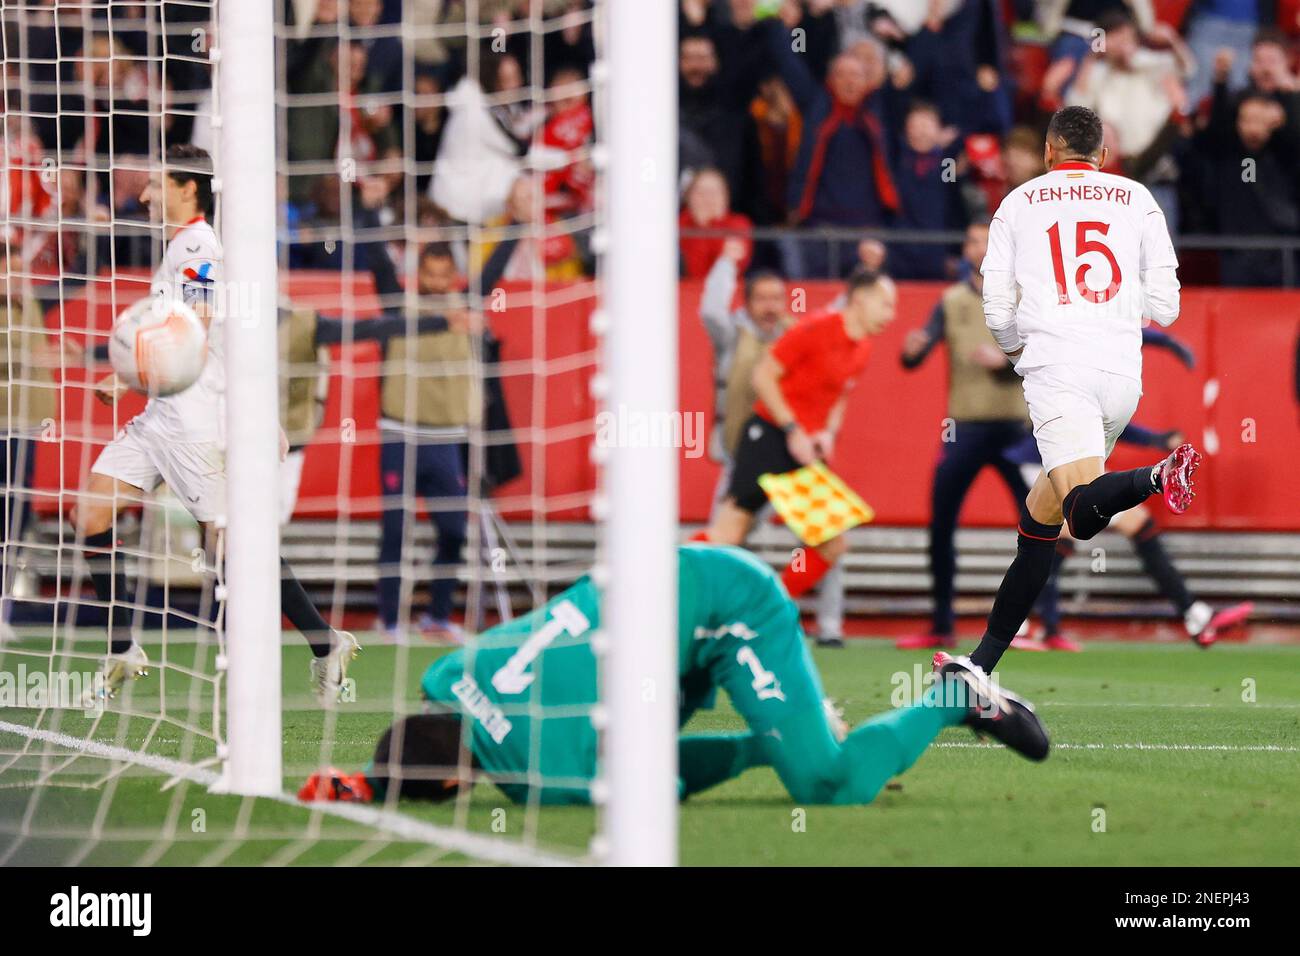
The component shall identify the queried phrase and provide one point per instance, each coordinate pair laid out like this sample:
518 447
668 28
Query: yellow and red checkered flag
815 503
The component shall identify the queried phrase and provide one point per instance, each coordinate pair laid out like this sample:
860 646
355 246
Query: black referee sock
1157 563
110 586
1089 508
1035 553
302 614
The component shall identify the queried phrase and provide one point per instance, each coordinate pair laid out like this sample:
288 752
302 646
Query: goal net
451 320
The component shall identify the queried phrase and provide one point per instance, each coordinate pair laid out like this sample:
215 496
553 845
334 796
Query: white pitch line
397 824
1134 703
1230 748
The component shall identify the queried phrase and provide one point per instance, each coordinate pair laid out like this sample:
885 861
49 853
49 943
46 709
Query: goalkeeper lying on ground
522 693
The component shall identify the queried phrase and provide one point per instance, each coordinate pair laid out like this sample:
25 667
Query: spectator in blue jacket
930 193
958 53
1215 25
841 175
379 35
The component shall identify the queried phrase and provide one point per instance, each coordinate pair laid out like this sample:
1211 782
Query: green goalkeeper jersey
527 687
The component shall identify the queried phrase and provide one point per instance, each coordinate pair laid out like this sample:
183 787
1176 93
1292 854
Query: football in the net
158 346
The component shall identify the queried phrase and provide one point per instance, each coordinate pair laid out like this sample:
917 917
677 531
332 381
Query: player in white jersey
179 439
1077 259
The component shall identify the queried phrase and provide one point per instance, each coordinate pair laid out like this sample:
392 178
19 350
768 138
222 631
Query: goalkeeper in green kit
514 705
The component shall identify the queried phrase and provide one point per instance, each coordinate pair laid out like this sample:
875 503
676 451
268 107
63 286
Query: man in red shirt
803 383
708 208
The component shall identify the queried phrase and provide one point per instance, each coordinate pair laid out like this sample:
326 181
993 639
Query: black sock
1035 552
1089 508
302 614
110 586
1048 605
1157 564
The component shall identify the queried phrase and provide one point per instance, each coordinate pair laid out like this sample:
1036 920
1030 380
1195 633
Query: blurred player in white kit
179 439
1077 259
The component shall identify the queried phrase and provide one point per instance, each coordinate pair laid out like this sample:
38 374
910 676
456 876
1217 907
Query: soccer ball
158 346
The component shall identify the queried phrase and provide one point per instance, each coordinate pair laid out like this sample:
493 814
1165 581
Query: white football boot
1197 619
329 672
132 663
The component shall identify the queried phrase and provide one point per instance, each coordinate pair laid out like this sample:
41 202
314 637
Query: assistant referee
802 383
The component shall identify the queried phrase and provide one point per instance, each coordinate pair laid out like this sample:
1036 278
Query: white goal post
640 290
245 168
640 487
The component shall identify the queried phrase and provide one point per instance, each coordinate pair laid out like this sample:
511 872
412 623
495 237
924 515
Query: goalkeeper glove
332 784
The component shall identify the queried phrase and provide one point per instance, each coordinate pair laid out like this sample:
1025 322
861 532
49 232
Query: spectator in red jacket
708 206
568 130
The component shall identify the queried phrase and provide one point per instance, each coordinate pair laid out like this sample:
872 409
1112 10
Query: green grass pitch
1164 755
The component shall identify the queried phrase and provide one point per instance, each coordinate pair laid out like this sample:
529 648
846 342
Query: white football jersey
190 270
1089 255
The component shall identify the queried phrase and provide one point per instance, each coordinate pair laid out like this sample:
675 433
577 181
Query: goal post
640 530
246 173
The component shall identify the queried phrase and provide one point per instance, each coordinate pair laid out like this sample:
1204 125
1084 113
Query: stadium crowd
783 106
944 103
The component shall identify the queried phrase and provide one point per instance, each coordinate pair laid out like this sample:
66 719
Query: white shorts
194 471
1078 412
